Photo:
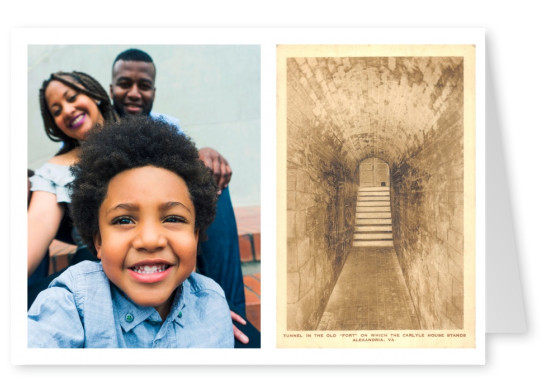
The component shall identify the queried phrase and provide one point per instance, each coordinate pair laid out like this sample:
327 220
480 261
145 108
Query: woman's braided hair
85 84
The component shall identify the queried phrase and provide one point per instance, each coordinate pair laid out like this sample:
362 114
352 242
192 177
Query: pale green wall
213 90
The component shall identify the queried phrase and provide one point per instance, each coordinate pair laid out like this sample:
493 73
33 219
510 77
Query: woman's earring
98 102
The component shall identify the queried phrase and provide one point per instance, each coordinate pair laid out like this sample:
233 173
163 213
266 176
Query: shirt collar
130 314
176 313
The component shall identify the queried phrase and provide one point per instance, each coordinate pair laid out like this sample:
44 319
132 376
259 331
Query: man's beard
120 111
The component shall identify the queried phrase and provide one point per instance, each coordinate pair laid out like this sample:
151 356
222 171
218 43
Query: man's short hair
133 55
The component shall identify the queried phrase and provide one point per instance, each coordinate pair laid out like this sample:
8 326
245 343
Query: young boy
141 198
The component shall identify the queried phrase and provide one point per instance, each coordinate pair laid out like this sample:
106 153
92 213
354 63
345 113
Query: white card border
268 38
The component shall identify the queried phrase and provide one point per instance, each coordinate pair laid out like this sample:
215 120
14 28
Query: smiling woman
74 113
72 104
66 88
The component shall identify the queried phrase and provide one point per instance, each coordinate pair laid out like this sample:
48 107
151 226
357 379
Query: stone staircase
373 220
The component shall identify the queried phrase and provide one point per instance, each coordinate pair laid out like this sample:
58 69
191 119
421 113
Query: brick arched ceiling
382 106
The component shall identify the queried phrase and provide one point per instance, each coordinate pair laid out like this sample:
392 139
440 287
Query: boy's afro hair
136 141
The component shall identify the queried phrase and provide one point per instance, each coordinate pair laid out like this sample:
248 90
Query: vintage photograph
376 158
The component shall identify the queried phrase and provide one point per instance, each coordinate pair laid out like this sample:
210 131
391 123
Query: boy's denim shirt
82 309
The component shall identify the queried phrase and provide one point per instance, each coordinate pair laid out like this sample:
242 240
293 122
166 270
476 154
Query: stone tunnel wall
408 112
322 183
427 212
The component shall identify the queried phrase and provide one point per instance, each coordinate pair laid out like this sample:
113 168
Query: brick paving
248 229
370 294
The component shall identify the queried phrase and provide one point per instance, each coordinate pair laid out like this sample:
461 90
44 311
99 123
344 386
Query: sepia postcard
376 196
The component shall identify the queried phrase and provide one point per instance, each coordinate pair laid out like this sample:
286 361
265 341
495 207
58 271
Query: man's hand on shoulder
218 165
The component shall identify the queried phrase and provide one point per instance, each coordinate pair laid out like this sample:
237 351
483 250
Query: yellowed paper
376 196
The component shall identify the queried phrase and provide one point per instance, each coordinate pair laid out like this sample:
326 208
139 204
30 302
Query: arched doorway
373 227
374 172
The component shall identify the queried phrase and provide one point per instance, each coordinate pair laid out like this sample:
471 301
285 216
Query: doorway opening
373 227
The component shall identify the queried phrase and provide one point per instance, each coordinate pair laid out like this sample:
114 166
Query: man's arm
210 157
218 165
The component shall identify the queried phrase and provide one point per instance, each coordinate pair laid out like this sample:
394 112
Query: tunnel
401 117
